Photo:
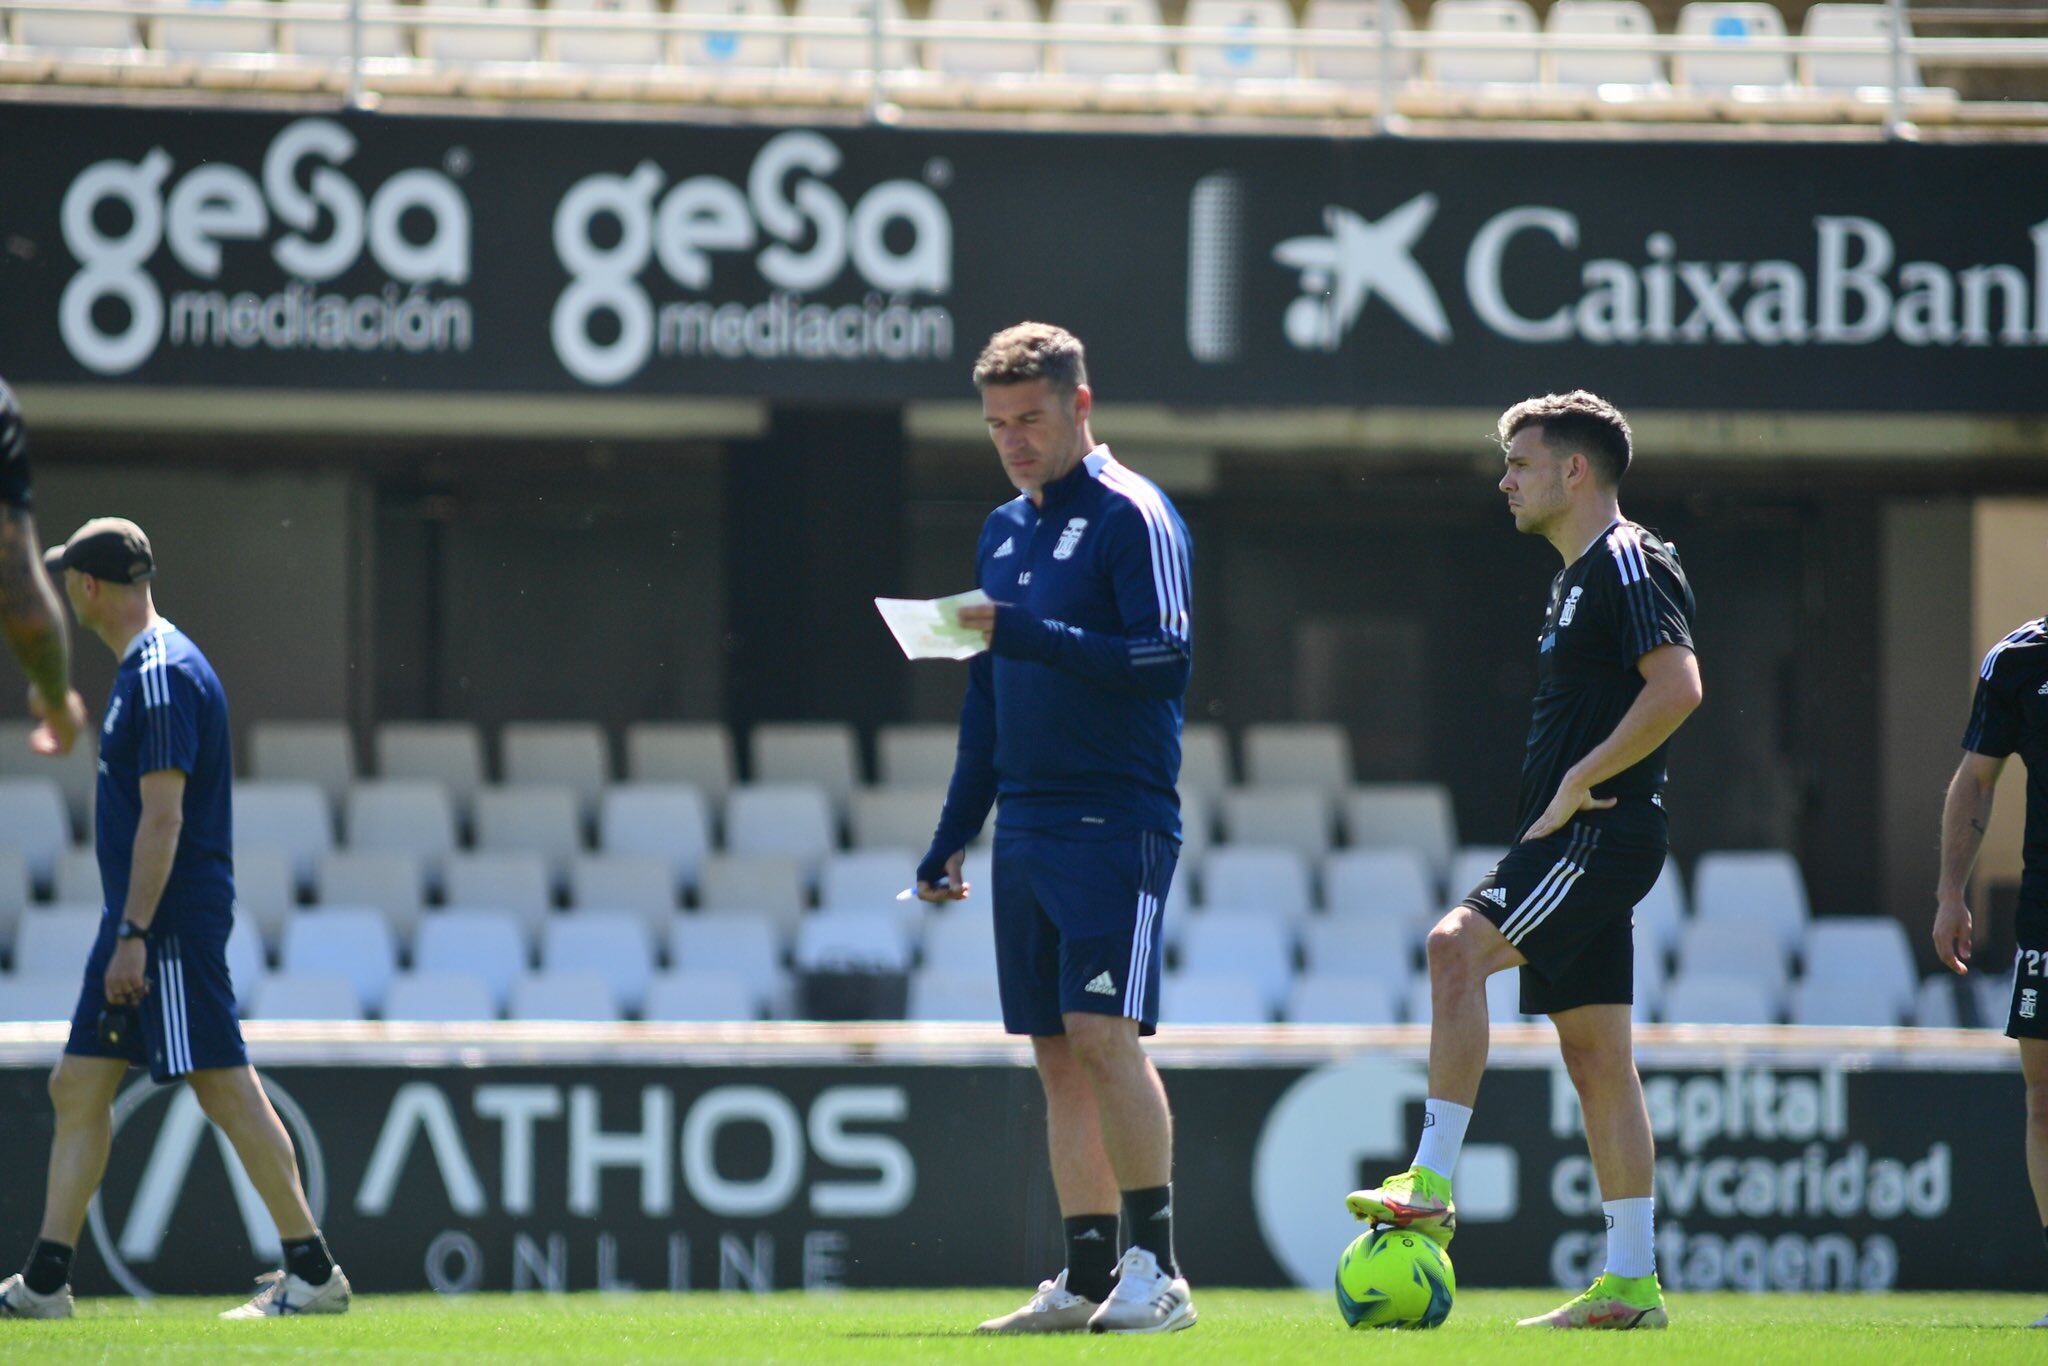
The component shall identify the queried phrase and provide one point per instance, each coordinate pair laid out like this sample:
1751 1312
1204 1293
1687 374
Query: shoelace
272 1291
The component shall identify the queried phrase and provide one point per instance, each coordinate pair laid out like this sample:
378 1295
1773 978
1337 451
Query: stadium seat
1733 946
1390 882
1416 1007
316 39
350 941
849 54
725 48
580 996
735 945
1660 916
450 997
1723 29
291 817
405 817
606 47
571 754
871 878
1353 65
1250 944
678 997
1602 19
539 820
76 774
1204 758
59 31
501 881
319 752
450 753
1870 951
1471 864
1762 884
247 961
1250 59
1935 1002
665 821
1835 1001
1295 817
972 997
1849 70
896 817
1076 58
960 942
1197 826
1198 999
55 941
1512 21
37 999
34 823
265 891
305 996
1650 978
852 940
1362 944
14 891
77 877
1298 754
1994 998
450 43
1718 999
1325 999
768 886
699 754
389 881
823 754
919 756
1414 816
785 820
1270 880
625 882
613 944
993 57
488 944
1504 998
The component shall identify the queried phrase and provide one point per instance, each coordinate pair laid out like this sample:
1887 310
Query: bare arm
1965 816
30 615
1671 692
156 843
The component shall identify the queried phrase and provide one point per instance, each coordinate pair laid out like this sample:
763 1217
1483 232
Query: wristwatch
128 929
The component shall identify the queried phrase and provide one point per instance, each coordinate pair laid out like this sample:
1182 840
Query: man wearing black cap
29 615
156 989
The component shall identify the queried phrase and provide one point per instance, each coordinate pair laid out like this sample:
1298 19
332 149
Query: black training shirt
2011 717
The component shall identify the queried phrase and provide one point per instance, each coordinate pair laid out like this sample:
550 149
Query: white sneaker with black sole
1145 1300
1054 1309
284 1293
17 1301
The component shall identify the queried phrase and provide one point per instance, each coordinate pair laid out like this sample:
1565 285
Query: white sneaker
1054 1309
17 1301
284 1293
1146 1299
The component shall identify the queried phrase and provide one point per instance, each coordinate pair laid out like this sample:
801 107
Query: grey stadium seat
625 882
34 822
707 997
352 942
414 817
318 752
667 821
292 817
1734 946
1271 880
737 945
571 754
1247 943
1297 817
78 877
697 753
1414 816
1207 999
870 877
613 944
871 940
823 754
607 47
265 891
76 774
1204 758
489 944
1762 884
518 42
1361 944
448 997
1870 952
1512 20
578 996
1394 882
56 941
787 820
538 820
191 27
916 756
969 997
40 998
1839 1002
1718 999
386 879
1324 999
305 996
769 886
312 39
1251 59
960 942
896 817
14 891
1298 754
450 753
504 880
1725 28
986 58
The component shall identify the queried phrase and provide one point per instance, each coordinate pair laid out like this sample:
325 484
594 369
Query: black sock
1091 1255
308 1259
1148 1214
49 1267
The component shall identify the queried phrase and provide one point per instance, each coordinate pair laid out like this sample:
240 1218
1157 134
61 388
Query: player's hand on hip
59 727
954 888
1952 934
125 985
1572 797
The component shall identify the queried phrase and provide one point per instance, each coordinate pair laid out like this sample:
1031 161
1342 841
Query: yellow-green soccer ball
1395 1278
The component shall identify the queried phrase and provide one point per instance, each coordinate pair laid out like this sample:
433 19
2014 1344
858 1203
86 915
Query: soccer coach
1073 719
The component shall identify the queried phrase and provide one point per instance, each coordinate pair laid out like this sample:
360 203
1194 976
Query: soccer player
156 983
2010 716
1073 718
1616 677
29 615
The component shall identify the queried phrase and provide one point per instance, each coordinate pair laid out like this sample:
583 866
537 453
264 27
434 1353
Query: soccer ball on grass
1395 1278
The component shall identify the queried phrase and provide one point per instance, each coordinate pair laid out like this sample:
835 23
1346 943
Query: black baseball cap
108 548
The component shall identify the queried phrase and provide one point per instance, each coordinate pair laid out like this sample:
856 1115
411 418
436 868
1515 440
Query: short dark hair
1029 351
1577 421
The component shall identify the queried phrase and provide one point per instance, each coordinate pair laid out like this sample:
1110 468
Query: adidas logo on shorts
1101 986
1497 895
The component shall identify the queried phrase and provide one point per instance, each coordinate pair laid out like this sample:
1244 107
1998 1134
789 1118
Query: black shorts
1567 902
2028 1018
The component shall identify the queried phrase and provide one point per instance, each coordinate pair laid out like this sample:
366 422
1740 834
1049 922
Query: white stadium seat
1272 881
1197 825
1839 1002
246 963
769 886
896 817
787 820
571 754
410 817
14 891
1326 999
960 941
1204 758
76 32
735 945
1718 999
697 753
1514 63
1251 59
613 944
1298 754
1660 916
667 821
1934 1003
1758 884
1470 865
850 54
1078 58
824 754
1725 28
389 881
1353 65
1734 946
351 942
451 997
966 996
539 820
1504 997
1362 944
852 940
305 996
1414 816
1603 19
625 882
76 774
607 46
729 48
1849 70
265 890
992 57
319 752
55 942
489 944
312 38
871 877
1391 882
450 43
78 877
1195 999
450 753
580 996
32 1000
1650 979
1872 952
291 817
919 756
1297 817
501 881
699 996
1247 943
34 823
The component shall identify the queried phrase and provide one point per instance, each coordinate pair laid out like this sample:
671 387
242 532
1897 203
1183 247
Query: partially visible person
30 617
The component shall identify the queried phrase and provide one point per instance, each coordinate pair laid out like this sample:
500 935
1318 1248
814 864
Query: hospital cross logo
1355 259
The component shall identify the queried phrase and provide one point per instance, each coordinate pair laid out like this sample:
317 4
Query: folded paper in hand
931 629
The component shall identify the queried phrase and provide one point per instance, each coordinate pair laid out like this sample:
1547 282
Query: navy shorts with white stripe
1077 923
1567 902
187 1020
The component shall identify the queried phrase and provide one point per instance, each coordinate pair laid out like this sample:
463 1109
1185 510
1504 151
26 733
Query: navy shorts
1077 926
187 1020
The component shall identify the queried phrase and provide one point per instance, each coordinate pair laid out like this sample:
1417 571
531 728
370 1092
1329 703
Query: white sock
1631 1236
1443 1135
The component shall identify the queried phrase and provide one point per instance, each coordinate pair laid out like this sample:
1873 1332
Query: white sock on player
1443 1135
1631 1236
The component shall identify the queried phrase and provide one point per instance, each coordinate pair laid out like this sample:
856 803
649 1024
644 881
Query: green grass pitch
1265 1327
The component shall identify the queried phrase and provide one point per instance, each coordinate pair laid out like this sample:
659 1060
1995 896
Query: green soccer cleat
1615 1302
1417 1198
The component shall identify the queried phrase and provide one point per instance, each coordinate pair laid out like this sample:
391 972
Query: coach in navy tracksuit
1073 720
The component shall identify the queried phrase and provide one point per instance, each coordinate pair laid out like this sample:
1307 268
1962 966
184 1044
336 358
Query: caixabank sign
1769 1177
418 253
